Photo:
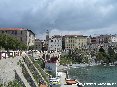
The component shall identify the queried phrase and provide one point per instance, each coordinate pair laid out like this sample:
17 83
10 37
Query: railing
32 69
44 74
5 54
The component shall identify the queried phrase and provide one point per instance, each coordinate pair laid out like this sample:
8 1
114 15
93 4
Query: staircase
22 78
30 74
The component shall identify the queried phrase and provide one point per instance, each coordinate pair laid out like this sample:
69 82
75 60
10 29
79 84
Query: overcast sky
60 16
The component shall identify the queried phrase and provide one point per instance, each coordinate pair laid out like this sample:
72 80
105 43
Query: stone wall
7 67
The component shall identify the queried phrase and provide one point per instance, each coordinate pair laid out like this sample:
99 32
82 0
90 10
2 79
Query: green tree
9 42
112 55
101 50
102 56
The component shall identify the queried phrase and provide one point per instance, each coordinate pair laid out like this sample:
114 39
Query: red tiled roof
52 60
12 29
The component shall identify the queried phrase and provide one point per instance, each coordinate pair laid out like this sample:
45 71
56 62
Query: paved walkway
63 83
7 67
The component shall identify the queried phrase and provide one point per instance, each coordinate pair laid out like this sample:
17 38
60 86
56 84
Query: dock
63 82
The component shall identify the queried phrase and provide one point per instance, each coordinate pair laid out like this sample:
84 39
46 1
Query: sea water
97 76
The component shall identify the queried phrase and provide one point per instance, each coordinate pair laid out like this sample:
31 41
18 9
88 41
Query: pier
63 83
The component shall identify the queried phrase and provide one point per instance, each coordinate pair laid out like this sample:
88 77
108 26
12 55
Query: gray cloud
76 15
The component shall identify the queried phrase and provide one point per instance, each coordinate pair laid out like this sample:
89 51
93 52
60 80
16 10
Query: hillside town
60 43
42 61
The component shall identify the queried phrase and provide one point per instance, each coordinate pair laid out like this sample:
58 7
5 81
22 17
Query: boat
71 81
54 81
110 64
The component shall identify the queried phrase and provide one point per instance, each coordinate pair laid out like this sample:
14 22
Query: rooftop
12 29
16 29
38 40
52 60
56 36
75 36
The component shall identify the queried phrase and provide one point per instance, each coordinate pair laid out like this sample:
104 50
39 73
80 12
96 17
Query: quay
63 82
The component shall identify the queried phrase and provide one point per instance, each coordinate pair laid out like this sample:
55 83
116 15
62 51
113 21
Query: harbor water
95 76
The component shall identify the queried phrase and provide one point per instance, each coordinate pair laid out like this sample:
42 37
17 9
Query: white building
55 43
51 65
114 38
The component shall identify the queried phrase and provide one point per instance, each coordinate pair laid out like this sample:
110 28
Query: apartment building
24 35
74 41
103 39
46 42
55 43
38 44
113 38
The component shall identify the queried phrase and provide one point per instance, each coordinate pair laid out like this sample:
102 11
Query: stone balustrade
5 54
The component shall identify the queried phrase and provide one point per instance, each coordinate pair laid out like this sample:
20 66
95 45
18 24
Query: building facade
38 44
114 39
55 43
75 41
24 35
93 40
51 65
46 42
103 39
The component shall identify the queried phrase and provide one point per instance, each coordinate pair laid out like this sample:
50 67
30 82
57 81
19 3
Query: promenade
63 83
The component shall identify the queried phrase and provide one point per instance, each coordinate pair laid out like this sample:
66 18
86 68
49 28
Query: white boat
110 64
54 81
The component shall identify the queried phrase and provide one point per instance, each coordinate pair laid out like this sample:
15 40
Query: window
15 32
51 40
69 41
2 31
29 34
21 32
6 31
